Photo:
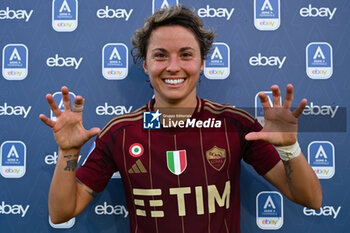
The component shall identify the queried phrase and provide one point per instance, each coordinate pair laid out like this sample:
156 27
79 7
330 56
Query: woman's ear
202 65
144 65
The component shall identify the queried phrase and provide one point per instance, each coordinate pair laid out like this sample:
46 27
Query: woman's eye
159 55
186 55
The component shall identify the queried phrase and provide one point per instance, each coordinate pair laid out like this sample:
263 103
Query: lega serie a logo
64 15
267 14
159 4
259 110
57 96
269 210
319 60
115 61
13 159
15 62
321 157
217 64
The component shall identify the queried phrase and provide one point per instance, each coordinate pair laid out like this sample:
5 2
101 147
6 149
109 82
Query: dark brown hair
175 15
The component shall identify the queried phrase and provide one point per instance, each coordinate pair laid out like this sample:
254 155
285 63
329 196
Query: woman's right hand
68 128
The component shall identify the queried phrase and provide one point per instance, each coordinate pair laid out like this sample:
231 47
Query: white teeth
174 81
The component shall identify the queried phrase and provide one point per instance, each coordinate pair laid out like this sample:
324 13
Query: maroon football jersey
179 179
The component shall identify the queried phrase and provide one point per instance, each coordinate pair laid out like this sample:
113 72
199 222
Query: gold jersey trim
219 108
123 118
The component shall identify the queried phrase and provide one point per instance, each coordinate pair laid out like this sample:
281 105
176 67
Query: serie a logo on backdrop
159 4
217 64
15 61
64 15
267 14
259 110
115 61
319 60
57 96
13 159
321 157
269 210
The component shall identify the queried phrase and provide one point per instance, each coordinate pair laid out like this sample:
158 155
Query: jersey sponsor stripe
128 178
147 192
228 150
139 202
226 226
205 169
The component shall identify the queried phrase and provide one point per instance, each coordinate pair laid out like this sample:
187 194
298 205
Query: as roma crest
216 157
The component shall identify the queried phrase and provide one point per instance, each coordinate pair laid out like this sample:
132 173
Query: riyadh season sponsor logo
66 225
13 209
57 96
8 110
160 4
321 157
15 14
108 209
64 15
58 61
115 61
311 11
269 210
267 61
267 14
108 13
210 12
327 211
319 60
157 120
13 159
217 64
110 110
15 62
259 110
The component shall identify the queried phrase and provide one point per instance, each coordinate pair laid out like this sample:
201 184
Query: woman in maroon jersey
172 46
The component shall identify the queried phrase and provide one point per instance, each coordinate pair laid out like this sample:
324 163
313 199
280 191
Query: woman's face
173 63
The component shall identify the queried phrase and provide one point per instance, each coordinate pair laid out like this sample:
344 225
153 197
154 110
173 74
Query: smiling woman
182 175
173 63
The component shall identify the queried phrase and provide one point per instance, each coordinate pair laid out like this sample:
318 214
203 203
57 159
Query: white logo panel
15 62
269 210
13 159
321 157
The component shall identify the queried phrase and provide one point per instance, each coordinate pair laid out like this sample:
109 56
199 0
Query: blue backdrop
47 44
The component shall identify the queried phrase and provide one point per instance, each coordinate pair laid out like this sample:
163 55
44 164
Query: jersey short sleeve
260 154
99 166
